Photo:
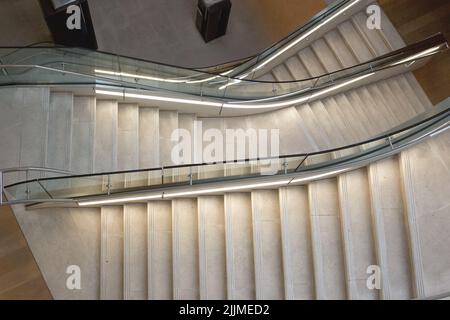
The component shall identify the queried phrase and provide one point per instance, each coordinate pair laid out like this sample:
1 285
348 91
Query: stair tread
332 132
373 37
135 251
389 229
297 68
281 73
326 240
402 110
106 136
185 249
350 114
311 62
341 50
111 248
341 120
326 56
83 131
356 224
355 42
267 245
362 115
312 125
160 272
239 247
212 248
296 239
376 111
59 134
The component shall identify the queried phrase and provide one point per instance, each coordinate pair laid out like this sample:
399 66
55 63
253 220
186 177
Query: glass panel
294 164
318 159
374 144
155 178
238 169
27 191
137 179
176 175
75 186
210 171
267 167
348 152
39 65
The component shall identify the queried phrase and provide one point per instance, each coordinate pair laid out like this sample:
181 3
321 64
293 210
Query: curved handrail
429 123
295 92
437 40
36 169
319 17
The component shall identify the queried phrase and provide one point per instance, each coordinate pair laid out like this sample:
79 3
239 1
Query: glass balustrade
70 66
107 184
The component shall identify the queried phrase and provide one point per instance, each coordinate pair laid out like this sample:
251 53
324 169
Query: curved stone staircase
304 242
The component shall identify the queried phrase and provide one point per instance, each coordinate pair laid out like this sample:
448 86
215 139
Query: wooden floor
416 20
20 277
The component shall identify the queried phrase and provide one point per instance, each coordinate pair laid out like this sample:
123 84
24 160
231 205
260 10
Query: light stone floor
164 30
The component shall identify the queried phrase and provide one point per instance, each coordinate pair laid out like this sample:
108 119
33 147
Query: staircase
303 242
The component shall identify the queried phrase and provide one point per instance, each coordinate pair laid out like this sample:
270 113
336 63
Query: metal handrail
439 111
430 126
38 169
435 40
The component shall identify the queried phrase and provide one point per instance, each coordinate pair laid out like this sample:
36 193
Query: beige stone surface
431 175
296 241
185 249
112 248
240 259
160 270
267 245
212 248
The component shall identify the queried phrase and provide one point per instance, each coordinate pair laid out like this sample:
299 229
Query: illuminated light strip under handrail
422 54
119 200
227 189
158 98
137 76
164 195
234 105
298 100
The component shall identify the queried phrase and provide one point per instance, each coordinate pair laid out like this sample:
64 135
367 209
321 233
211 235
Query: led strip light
232 105
181 194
